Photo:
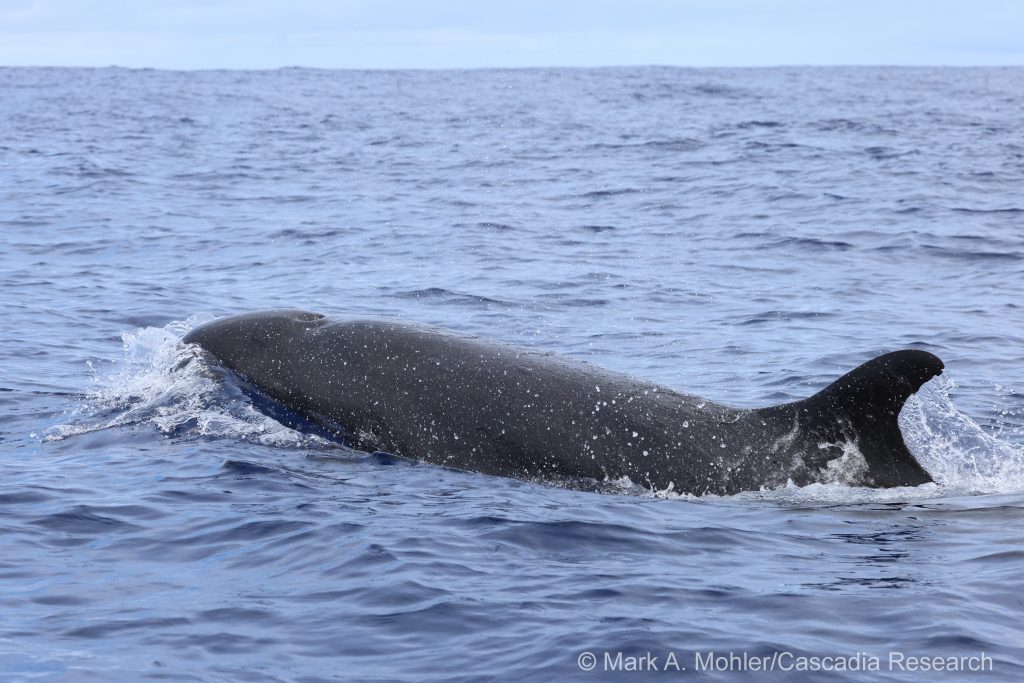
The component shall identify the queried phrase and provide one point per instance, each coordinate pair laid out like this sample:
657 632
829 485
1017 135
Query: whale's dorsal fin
867 402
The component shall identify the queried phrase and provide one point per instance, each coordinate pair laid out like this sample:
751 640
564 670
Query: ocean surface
743 234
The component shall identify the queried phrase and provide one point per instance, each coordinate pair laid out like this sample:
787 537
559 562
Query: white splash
167 384
848 468
954 449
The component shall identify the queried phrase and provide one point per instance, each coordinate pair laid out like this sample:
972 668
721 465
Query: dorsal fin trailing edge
868 400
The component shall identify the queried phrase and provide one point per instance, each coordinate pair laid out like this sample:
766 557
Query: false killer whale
462 402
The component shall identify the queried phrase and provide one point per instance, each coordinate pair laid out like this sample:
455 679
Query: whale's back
494 408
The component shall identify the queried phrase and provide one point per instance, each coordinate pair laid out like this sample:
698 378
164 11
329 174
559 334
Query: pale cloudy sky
203 34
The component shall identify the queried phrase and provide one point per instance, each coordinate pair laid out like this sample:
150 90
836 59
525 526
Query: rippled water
747 235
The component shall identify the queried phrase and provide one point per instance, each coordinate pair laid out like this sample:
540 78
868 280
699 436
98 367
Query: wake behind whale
459 401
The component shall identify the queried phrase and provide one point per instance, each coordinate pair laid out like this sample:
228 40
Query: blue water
746 235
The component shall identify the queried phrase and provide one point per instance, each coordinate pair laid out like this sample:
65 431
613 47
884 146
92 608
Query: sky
260 34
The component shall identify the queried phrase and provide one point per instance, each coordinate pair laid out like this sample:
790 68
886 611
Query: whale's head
253 343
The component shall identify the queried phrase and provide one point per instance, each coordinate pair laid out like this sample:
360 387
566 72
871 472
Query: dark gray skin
461 402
